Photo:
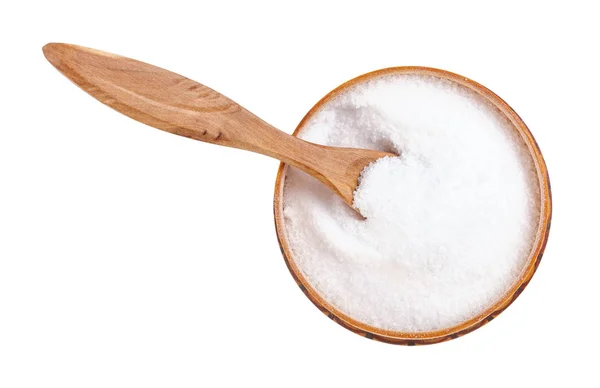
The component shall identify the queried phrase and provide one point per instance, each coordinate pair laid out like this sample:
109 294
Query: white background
130 257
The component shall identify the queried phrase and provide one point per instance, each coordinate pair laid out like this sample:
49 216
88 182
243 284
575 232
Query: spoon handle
176 104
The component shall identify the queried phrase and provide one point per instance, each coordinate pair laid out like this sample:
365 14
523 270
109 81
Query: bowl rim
426 337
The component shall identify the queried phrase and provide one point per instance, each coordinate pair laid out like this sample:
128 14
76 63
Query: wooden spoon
176 104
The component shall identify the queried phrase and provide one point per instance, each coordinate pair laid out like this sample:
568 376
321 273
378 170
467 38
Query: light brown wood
176 104
535 256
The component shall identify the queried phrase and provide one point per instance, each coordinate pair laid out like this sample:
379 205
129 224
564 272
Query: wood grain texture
176 104
430 337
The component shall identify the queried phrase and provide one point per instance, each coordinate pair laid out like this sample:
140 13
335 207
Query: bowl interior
493 310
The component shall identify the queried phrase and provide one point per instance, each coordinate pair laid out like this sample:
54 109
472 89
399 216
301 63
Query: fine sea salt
450 223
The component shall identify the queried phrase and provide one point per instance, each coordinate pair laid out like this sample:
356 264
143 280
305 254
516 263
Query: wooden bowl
428 337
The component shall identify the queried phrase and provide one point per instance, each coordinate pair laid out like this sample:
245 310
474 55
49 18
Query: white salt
450 223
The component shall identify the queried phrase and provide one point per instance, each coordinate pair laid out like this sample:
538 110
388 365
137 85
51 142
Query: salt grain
450 222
